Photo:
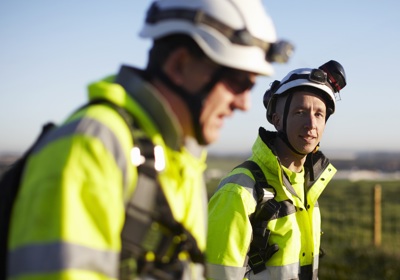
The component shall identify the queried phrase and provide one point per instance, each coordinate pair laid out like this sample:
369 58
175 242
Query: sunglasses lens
237 81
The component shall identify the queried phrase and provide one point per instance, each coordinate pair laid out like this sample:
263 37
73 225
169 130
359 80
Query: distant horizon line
331 153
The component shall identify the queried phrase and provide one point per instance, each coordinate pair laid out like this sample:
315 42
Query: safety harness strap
260 251
151 237
259 177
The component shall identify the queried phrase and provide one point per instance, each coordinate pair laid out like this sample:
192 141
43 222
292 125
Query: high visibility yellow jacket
296 229
69 213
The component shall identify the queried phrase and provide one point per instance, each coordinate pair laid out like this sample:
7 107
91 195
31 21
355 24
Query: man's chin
306 149
210 138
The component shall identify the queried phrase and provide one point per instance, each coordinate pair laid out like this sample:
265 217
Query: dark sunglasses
237 81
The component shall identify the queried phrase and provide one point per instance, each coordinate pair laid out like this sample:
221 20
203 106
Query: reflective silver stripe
215 271
289 186
192 271
248 183
243 180
93 128
50 258
290 271
315 264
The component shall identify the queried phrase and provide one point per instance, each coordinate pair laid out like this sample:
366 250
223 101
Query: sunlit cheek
320 130
243 101
211 132
209 122
208 107
321 125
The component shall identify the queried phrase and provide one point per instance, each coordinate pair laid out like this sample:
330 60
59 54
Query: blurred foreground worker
264 219
90 204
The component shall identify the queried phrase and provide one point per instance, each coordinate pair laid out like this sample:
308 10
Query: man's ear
277 121
175 64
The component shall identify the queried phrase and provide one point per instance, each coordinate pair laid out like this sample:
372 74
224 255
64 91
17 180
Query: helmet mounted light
329 78
280 52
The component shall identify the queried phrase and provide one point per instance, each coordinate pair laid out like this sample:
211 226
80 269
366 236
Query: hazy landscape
350 165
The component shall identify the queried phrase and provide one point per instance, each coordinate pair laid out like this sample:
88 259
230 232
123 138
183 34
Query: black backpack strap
150 228
260 250
259 177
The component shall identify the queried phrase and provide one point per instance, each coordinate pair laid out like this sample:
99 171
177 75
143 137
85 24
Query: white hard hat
329 78
233 33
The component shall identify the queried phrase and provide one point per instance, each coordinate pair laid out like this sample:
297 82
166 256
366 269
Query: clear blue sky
51 50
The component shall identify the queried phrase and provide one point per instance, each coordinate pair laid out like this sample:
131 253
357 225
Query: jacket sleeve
68 215
229 232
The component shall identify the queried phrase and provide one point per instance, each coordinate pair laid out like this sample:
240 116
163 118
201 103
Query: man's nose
242 101
310 122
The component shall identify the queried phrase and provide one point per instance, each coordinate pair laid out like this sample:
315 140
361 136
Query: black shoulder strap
260 251
151 227
261 182
149 223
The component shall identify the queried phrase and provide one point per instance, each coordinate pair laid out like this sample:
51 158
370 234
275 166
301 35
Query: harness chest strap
151 238
260 250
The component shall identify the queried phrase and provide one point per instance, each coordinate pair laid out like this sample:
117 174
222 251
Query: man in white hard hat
117 190
264 219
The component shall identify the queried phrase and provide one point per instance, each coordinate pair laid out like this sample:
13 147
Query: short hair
162 47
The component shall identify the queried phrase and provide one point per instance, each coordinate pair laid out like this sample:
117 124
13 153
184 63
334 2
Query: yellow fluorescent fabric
296 230
71 206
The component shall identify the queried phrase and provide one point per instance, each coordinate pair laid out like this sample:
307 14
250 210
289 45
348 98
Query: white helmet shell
287 83
297 78
238 15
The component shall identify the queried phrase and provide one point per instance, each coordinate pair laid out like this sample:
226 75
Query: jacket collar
148 97
315 163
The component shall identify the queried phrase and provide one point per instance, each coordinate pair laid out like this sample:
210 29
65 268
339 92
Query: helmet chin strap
283 136
194 100
282 133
